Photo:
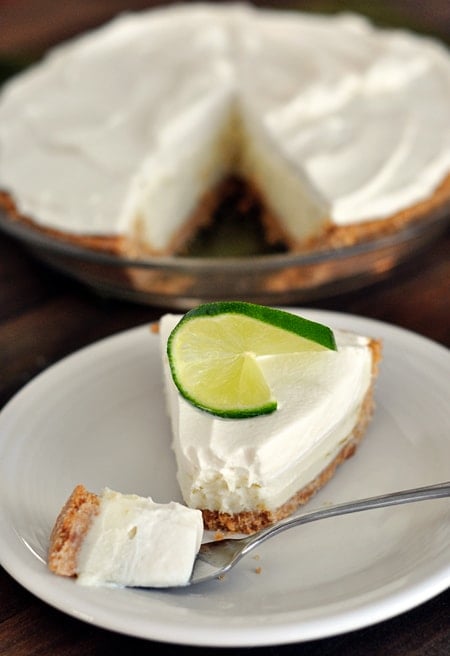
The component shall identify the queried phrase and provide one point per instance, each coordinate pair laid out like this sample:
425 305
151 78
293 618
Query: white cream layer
362 111
136 542
260 463
117 132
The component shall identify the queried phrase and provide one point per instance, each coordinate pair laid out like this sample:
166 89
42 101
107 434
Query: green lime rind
214 366
310 330
246 413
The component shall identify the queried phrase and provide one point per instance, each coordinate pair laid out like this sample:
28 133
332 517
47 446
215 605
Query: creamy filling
285 189
120 131
260 463
134 541
166 190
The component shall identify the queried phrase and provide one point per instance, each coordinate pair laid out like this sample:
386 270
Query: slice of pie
246 473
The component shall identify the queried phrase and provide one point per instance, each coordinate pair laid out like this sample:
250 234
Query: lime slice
213 354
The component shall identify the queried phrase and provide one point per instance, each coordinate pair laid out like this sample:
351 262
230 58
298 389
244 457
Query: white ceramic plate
98 418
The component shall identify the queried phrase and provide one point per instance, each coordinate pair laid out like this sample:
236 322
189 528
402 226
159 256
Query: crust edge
70 529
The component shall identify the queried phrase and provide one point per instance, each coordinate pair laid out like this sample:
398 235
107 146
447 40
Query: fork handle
437 491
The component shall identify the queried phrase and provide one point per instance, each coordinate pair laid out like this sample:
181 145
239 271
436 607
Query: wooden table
45 316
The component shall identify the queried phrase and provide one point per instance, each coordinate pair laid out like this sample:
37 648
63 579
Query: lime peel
213 354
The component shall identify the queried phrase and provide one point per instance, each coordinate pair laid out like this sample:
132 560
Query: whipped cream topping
121 131
134 541
260 463
363 111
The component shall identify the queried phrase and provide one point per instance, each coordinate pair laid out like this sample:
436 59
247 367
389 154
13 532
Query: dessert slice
124 540
244 473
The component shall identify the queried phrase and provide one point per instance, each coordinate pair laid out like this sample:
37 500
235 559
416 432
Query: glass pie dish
272 278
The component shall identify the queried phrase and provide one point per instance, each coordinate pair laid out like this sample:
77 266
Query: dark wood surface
45 316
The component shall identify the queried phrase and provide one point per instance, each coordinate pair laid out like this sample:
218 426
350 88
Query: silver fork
217 558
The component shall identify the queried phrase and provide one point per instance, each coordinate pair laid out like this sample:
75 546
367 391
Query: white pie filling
134 541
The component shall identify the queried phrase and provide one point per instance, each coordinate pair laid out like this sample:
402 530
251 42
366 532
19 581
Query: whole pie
123 138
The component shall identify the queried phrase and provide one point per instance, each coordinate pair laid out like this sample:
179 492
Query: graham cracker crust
332 236
438 202
70 529
103 243
251 521
121 245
